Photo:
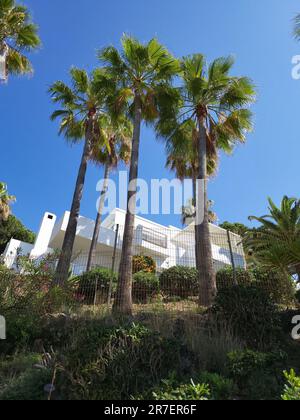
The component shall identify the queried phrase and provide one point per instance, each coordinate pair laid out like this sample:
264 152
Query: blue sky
40 168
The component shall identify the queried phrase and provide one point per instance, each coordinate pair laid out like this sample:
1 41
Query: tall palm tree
277 243
297 27
5 201
143 73
118 135
82 104
18 36
218 106
183 158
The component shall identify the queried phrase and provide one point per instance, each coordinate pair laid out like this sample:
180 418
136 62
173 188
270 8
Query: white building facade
168 246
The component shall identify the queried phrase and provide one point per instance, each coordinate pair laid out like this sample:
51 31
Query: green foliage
279 286
19 380
114 363
237 228
185 392
277 245
222 389
258 375
13 228
143 263
179 281
145 286
292 389
96 281
18 34
251 315
24 301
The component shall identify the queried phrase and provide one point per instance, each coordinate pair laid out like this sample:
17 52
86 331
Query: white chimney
43 238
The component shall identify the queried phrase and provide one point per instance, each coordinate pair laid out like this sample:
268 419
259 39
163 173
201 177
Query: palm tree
5 201
297 27
143 73
217 104
277 243
118 135
18 36
82 104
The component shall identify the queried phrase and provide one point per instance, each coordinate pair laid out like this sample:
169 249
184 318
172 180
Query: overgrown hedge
96 282
279 287
180 282
145 287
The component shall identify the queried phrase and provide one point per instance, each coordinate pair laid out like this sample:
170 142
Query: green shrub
180 281
222 389
145 287
102 362
96 282
251 315
257 375
292 389
185 392
226 279
278 286
143 263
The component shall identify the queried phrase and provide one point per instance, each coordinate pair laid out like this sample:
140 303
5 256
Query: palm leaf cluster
277 243
5 202
18 36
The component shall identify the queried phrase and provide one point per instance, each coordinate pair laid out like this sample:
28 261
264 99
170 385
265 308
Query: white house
169 246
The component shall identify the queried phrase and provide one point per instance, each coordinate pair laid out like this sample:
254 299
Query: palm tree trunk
63 267
207 277
93 248
123 301
195 205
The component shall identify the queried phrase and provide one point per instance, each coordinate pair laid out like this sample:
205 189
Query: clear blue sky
40 168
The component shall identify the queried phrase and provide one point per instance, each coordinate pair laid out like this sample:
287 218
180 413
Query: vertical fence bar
232 259
113 265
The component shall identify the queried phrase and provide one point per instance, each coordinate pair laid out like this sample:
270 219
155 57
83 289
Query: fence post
232 259
113 265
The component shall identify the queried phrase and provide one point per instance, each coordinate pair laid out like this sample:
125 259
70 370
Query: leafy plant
292 389
251 314
279 286
96 282
222 389
143 263
145 286
180 281
185 392
258 375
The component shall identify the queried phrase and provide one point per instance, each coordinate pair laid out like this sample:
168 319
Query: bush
97 282
186 392
180 281
251 315
113 363
145 286
292 389
278 286
225 278
143 263
19 380
222 389
257 375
